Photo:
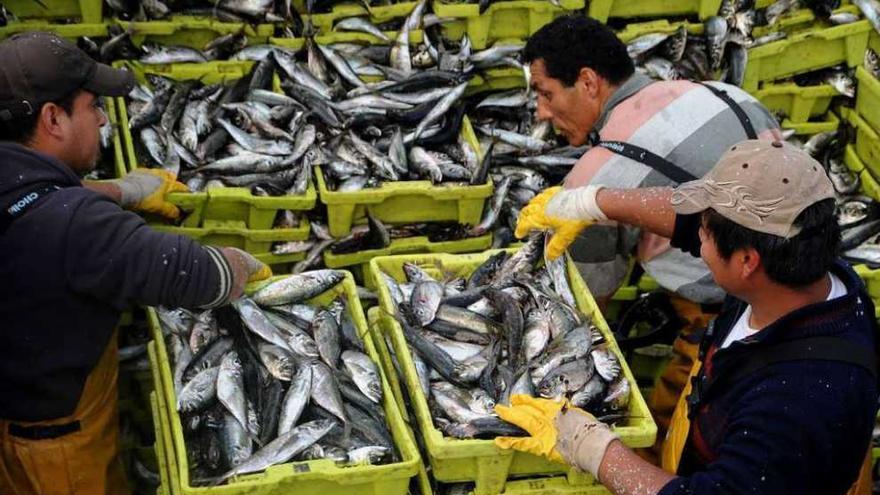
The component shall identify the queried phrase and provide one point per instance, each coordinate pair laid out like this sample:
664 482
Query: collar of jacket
35 166
822 318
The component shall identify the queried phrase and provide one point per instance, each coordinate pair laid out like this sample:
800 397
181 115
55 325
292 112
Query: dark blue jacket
799 427
70 265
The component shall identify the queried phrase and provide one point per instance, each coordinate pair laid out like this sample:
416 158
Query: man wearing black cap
71 260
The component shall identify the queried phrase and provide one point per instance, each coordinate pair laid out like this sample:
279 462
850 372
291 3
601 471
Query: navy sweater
798 427
69 266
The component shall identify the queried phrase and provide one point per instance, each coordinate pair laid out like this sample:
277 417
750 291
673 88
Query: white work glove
576 204
565 212
145 190
582 439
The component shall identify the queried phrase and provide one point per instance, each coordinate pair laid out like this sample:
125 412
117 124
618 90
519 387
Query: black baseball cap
37 68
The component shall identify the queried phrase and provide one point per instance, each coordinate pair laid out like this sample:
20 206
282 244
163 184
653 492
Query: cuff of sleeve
224 276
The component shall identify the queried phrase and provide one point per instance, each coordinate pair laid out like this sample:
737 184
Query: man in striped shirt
643 133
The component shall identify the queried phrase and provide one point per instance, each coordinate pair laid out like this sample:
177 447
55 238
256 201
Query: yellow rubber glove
534 217
144 190
536 416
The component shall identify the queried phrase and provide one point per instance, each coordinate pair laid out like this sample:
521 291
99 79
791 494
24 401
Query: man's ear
52 121
589 80
750 262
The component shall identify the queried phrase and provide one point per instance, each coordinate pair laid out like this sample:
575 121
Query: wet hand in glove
559 433
564 211
145 189
245 268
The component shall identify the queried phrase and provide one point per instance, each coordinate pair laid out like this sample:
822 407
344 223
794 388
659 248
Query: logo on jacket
22 203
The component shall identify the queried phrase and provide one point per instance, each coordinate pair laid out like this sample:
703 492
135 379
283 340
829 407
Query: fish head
553 386
573 109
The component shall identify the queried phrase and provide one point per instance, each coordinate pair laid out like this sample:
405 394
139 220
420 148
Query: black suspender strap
737 110
29 197
807 349
670 170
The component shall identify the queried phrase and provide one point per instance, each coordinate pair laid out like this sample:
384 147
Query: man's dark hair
570 43
795 262
21 130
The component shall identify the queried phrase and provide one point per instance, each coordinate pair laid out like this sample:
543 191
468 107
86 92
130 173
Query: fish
230 388
364 373
325 329
566 379
716 31
360 24
297 288
645 43
245 390
295 399
283 448
493 208
325 391
425 301
871 10
277 361
843 83
549 348
199 392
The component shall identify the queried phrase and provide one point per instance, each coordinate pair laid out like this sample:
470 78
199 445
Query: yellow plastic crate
479 461
505 20
85 11
798 20
69 31
602 10
404 202
332 37
257 242
798 103
806 51
868 97
193 31
870 187
408 245
379 14
867 142
229 204
321 477
632 31
830 123
119 169
541 485
851 159
871 277
162 438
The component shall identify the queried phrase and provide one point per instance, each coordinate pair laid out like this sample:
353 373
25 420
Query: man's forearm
648 208
625 473
105 188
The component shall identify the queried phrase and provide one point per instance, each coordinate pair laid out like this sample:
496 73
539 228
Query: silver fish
364 373
297 288
199 391
283 448
230 388
360 24
295 399
566 379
